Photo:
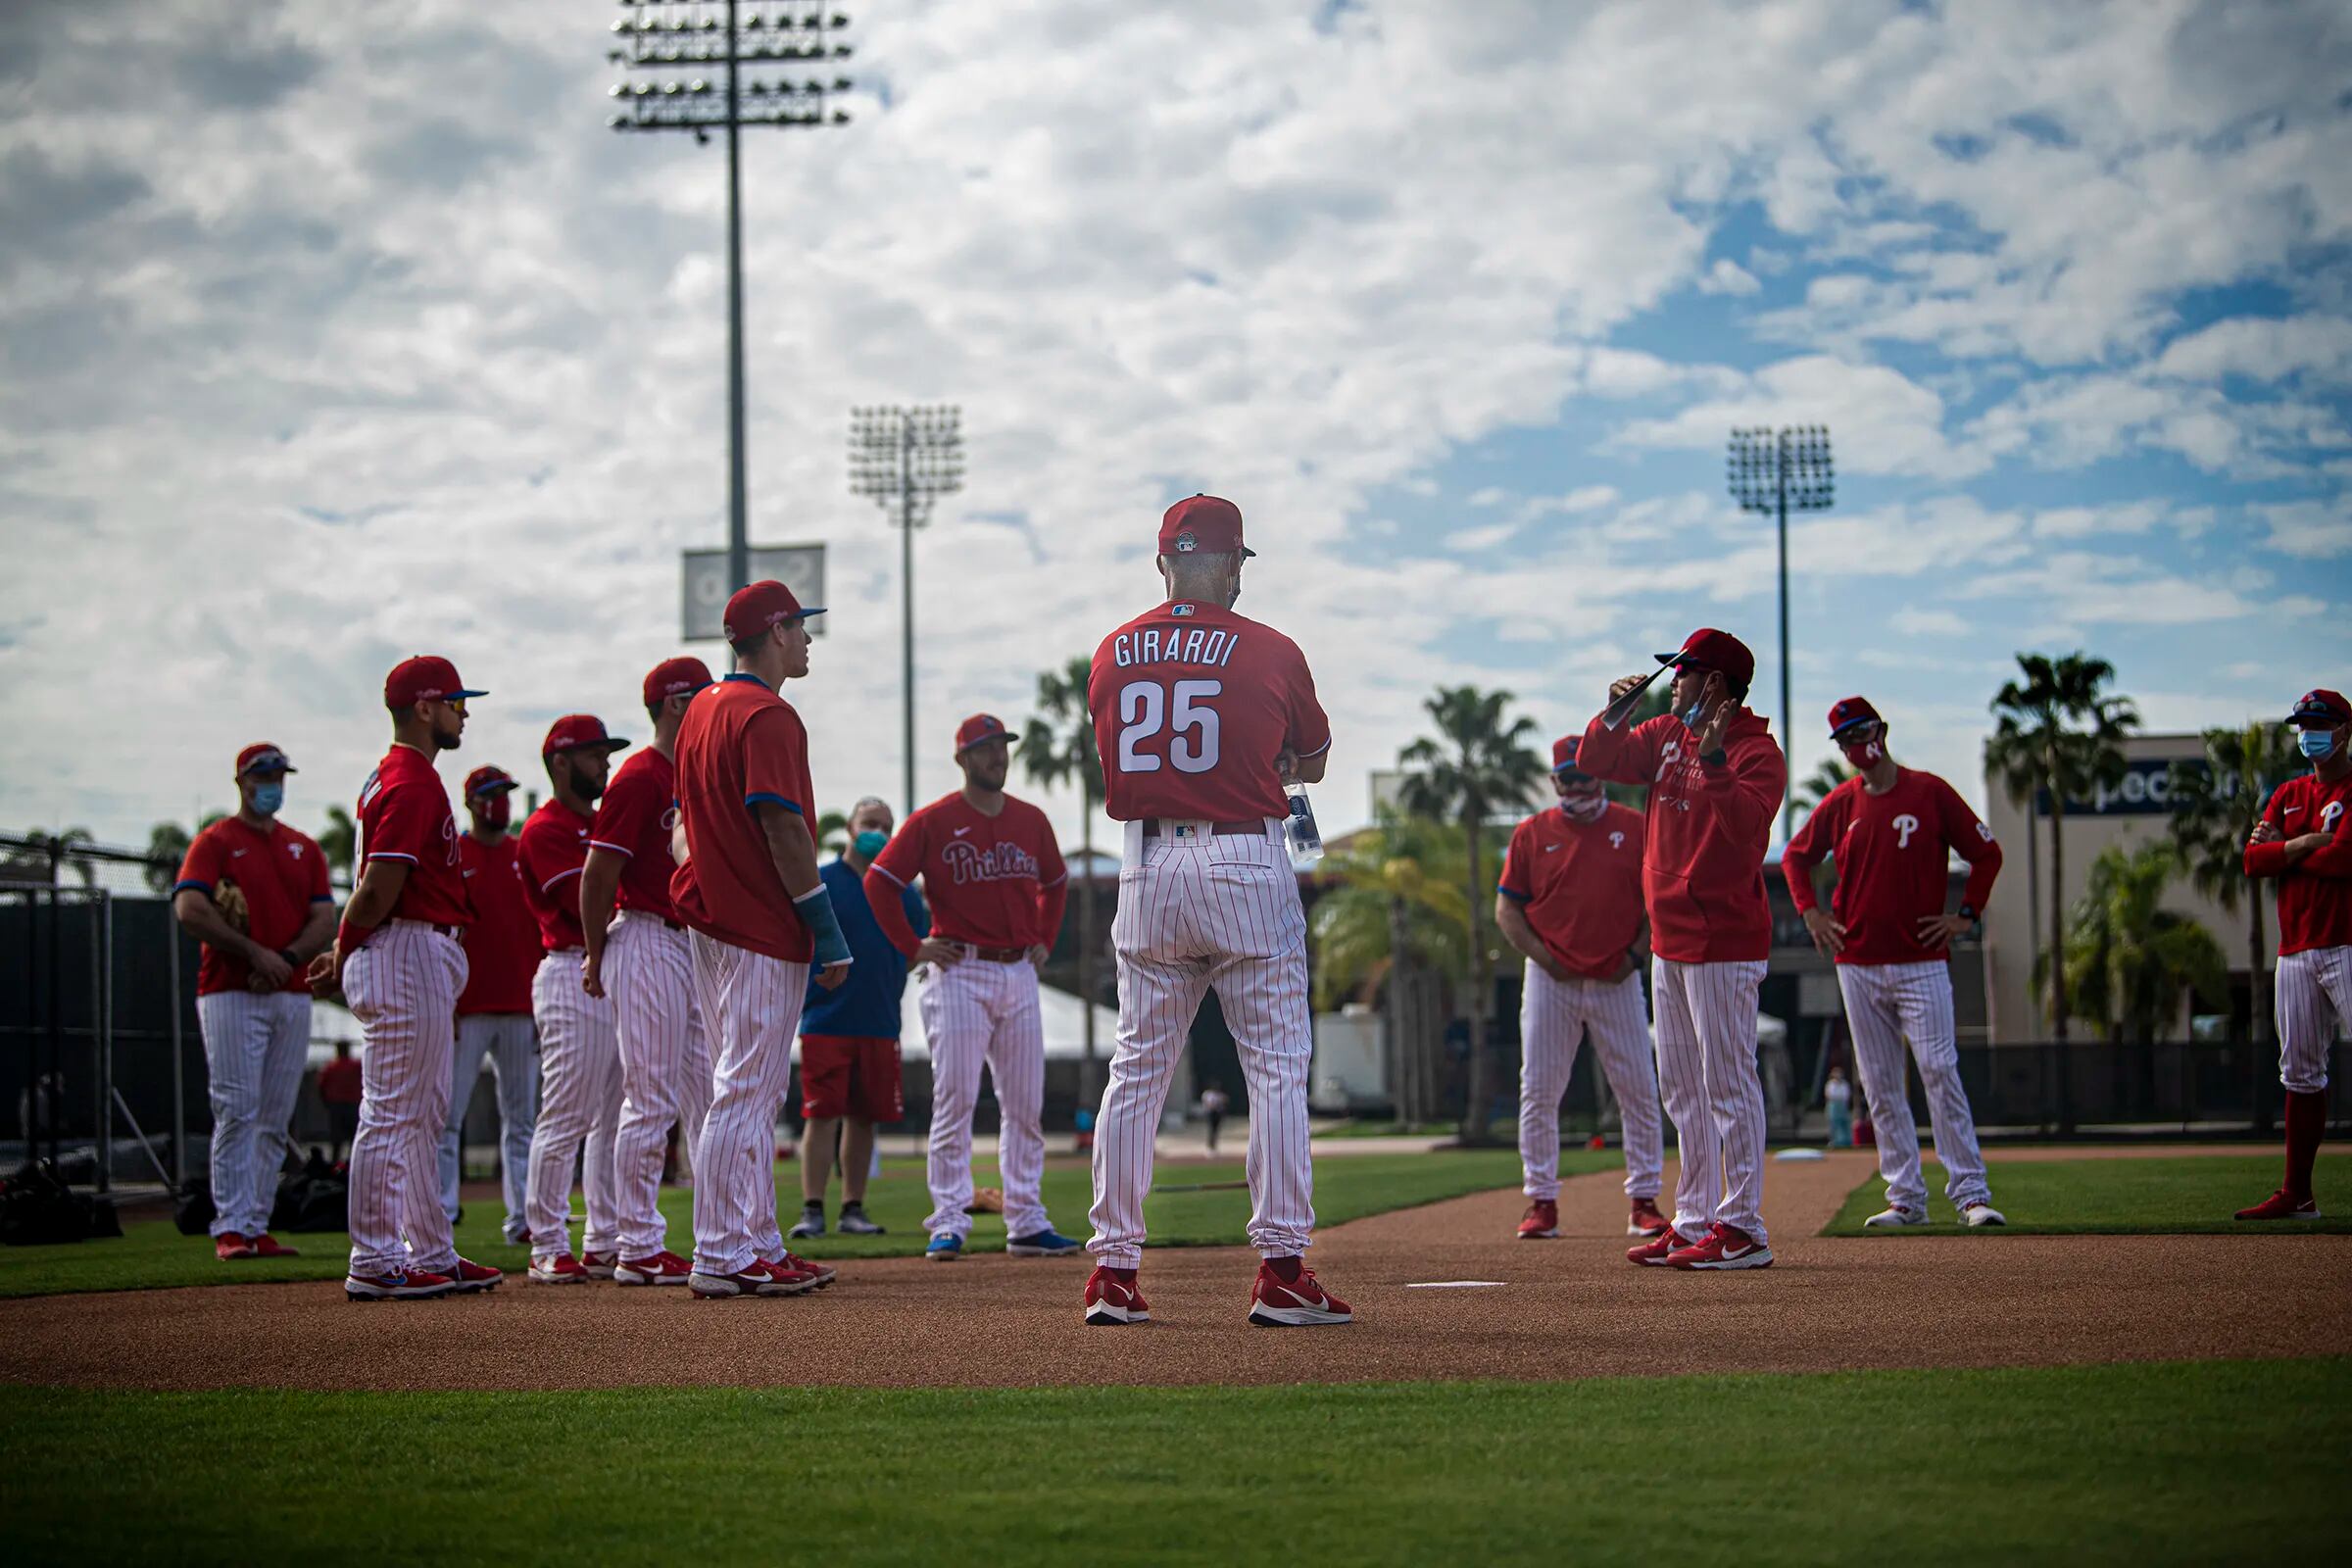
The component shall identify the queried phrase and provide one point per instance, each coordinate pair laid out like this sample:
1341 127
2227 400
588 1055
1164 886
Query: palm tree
339 841
1398 906
1057 750
167 847
58 848
2127 960
1478 765
1815 787
2055 733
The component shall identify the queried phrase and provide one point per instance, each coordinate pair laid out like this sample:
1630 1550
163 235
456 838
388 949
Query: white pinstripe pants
751 1008
403 988
512 1047
1553 1018
1199 913
580 1109
1885 1003
1707 1029
665 1067
254 1050
2314 998
977 1009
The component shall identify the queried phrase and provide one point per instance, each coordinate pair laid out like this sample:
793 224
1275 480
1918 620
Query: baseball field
2114 1376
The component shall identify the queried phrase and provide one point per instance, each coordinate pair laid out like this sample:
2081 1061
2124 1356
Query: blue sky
316 350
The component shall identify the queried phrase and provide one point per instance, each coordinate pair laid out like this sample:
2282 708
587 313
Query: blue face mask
267 798
2315 743
869 843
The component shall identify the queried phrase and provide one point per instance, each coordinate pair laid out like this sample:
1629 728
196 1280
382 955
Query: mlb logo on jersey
1181 610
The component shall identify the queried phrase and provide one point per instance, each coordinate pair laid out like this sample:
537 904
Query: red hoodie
1709 825
2315 897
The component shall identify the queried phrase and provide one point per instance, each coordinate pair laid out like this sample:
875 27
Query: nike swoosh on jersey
960 832
1549 848
2287 812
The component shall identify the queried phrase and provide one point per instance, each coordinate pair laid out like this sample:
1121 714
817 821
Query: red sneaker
1653 1252
1723 1247
1299 1303
662 1268
1644 1220
2281 1204
471 1276
1541 1222
600 1265
230 1246
1111 1299
268 1246
758 1278
821 1274
560 1269
415 1285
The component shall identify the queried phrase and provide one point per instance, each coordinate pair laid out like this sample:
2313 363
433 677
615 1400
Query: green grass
2147 1463
2186 1195
152 1253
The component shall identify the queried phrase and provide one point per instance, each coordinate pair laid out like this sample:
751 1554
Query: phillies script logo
999 862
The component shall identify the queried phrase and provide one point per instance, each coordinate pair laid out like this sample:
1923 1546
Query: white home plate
1800 1154
1453 1285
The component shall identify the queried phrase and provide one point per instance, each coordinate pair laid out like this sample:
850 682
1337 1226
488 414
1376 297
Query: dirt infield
1565 1309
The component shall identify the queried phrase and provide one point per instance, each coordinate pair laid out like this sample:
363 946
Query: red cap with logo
425 678
762 606
488 781
673 677
263 758
1847 712
1563 755
578 732
982 727
1207 524
1718 651
2321 709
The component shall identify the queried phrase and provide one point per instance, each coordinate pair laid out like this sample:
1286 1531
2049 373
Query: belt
455 932
647 914
1257 829
995 955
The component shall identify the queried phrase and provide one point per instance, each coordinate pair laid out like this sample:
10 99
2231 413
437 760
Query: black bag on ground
194 1213
316 1197
39 1209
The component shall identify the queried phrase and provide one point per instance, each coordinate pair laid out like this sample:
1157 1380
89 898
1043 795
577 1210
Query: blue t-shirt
866 1006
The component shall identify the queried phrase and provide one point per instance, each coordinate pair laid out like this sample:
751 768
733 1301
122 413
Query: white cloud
2309 529
1928 623
1728 276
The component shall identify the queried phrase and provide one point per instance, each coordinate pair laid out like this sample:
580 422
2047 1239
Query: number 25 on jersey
1181 710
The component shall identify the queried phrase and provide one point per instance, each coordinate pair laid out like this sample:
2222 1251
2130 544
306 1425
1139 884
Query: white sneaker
813 1224
1895 1216
1979 1215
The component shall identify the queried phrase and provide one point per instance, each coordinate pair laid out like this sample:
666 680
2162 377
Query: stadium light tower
1771 472
682 68
907 459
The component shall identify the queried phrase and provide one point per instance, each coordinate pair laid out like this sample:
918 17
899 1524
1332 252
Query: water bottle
1305 839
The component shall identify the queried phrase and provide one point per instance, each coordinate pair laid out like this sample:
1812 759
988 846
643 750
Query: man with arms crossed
995 880
399 961
1202 715
1715 776
638 956
494 1010
2300 841
1889 830
750 893
1570 900
254 891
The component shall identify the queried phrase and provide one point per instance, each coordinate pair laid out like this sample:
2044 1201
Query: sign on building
799 568
2144 790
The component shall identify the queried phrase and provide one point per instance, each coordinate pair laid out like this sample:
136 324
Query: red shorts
846 1075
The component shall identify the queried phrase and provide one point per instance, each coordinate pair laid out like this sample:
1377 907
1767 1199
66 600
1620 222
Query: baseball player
579 1034
760 917
399 961
254 891
637 955
494 1010
849 1069
1715 777
1889 830
995 881
1202 715
1570 900
2299 842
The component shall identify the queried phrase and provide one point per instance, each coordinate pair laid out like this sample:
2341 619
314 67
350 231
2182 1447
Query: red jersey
1706 831
1191 704
1580 884
341 1081
282 874
502 945
551 850
741 745
405 815
1891 852
992 881
633 820
2315 897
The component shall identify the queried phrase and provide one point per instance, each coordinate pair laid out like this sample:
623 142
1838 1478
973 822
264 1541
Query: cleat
1299 1304
1895 1217
268 1246
1111 1299
2282 1204
759 1278
944 1248
600 1265
560 1269
794 1263
661 1268
1723 1247
1980 1216
811 1225
1541 1221
231 1246
1653 1252
855 1223
468 1277
416 1284
1046 1243
1643 1218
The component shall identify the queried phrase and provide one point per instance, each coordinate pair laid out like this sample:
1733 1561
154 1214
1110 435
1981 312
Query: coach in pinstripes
255 893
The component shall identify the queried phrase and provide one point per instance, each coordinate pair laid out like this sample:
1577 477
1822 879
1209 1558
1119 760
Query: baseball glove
230 900
986 1200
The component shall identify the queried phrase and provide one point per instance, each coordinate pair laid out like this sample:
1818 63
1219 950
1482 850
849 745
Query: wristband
349 938
287 954
816 910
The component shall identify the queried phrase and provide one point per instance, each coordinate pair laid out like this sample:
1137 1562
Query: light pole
1771 472
662 38
907 459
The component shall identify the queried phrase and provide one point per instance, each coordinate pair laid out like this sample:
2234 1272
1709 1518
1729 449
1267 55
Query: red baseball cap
488 781
578 732
425 678
1563 755
1718 651
1847 712
982 727
1207 524
761 606
263 758
2319 709
673 676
